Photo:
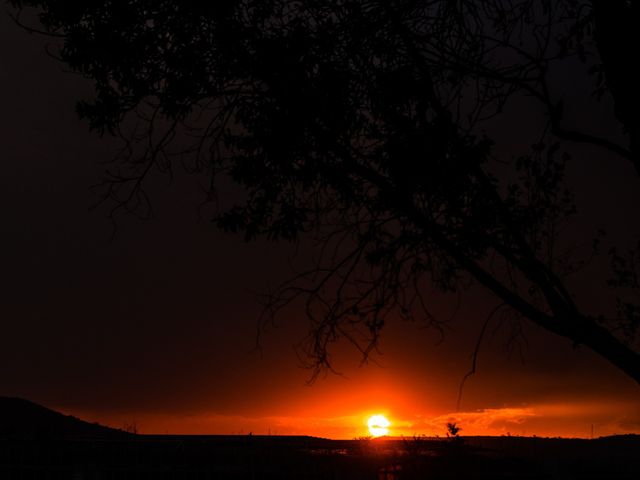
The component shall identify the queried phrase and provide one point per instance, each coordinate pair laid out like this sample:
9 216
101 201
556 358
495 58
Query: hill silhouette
36 442
20 418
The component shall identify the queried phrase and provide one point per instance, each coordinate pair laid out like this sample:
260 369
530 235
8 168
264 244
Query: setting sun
378 425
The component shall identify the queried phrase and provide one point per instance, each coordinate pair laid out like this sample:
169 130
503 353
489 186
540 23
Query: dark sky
158 325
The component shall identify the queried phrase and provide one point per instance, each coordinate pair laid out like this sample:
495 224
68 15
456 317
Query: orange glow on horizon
343 411
556 420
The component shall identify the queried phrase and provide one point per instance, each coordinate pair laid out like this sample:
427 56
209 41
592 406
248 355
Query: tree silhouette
452 429
374 126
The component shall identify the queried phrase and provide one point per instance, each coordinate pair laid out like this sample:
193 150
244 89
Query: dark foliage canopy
375 126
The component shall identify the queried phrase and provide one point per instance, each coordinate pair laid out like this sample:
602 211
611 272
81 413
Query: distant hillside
21 418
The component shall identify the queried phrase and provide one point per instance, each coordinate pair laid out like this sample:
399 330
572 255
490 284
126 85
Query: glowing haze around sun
378 425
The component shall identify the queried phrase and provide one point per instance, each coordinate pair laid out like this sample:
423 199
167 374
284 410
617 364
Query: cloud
480 422
566 419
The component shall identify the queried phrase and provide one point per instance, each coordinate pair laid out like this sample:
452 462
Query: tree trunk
617 33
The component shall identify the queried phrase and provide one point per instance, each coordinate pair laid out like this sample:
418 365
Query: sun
378 425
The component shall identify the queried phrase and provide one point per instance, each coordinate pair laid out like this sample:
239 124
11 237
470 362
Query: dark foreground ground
279 457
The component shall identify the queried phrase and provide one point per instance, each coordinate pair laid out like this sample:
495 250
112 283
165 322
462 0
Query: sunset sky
158 326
